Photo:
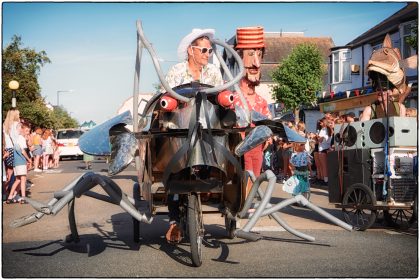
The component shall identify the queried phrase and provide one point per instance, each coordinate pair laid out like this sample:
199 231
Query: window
341 66
407 30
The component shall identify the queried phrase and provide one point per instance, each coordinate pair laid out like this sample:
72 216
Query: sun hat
187 40
250 37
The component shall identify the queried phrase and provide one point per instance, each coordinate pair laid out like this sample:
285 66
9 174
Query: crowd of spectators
25 148
277 151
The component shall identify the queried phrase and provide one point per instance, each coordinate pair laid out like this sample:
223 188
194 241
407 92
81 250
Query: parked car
68 142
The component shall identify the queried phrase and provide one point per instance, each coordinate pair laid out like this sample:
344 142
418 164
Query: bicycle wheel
195 229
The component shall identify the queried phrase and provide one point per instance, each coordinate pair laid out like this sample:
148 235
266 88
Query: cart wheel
357 196
400 218
230 227
195 229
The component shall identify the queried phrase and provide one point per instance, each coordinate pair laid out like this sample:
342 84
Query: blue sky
92 46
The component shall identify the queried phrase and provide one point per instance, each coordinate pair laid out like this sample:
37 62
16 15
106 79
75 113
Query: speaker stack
402 132
371 134
349 135
356 168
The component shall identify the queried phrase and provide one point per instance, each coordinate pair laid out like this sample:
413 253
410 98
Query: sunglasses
203 50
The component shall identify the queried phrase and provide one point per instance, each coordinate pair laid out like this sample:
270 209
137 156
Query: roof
278 48
389 25
278 45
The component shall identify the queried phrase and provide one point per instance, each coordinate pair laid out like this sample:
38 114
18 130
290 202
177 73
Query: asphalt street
106 248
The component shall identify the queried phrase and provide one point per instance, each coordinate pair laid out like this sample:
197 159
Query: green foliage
298 77
23 65
62 119
412 40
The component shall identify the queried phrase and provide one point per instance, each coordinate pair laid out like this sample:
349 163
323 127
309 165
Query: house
278 45
349 86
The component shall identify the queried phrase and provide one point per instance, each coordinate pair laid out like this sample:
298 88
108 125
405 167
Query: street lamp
58 95
13 85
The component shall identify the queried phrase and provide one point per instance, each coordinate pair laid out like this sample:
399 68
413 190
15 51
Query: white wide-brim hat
187 40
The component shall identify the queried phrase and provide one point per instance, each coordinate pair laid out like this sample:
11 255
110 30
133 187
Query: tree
412 39
298 78
23 65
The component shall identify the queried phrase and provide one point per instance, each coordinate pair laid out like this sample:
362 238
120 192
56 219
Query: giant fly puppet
185 141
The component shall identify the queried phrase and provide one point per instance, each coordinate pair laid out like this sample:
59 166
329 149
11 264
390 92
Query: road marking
268 228
320 190
392 232
53 171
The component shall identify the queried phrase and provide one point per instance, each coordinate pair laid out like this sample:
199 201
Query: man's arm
366 115
403 110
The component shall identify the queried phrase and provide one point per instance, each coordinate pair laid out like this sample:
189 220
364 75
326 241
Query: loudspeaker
402 132
351 136
371 134
357 168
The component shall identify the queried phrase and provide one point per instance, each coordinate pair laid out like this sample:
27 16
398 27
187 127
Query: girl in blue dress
300 163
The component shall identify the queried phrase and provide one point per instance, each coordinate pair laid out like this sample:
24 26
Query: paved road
107 250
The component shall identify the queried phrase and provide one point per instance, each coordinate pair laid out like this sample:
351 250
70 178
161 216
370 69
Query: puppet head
250 45
386 61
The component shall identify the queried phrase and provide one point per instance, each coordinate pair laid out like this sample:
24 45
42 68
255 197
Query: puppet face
252 62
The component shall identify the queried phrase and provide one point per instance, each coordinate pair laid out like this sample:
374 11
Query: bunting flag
348 93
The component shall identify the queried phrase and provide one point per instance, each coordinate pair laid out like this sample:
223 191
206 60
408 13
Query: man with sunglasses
195 50
388 81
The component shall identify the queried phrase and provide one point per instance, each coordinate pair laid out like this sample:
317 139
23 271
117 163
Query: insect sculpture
186 141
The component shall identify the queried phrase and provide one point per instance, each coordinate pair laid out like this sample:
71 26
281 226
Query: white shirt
21 141
12 135
179 75
325 144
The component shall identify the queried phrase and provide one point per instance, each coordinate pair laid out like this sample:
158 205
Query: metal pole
13 99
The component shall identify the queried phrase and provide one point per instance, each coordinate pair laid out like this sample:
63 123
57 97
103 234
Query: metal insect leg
79 187
74 236
265 208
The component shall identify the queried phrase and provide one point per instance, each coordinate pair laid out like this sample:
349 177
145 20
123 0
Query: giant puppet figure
250 47
387 73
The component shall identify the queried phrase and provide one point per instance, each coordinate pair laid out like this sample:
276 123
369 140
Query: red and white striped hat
250 37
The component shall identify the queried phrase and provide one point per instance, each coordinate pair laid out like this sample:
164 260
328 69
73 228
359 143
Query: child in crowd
300 162
47 149
270 155
37 152
56 154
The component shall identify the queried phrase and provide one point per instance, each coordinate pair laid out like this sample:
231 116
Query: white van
68 142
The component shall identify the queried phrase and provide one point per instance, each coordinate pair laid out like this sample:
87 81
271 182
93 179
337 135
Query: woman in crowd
20 169
324 144
11 127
